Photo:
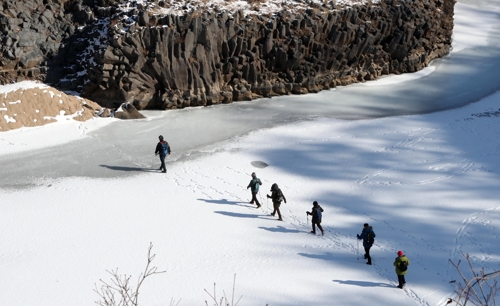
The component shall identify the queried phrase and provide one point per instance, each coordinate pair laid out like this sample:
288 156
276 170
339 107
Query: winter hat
400 253
160 137
253 174
315 203
274 187
365 225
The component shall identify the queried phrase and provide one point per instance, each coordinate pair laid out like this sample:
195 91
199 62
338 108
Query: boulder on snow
128 111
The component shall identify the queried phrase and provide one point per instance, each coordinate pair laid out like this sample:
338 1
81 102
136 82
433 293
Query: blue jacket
159 149
364 236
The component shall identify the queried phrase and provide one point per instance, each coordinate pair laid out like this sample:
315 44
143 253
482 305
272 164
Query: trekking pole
307 216
358 247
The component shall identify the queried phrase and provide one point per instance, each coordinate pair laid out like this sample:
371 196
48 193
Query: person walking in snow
368 236
162 149
277 197
401 263
316 213
254 188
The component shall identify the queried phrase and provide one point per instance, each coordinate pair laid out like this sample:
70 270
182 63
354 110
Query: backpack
403 266
370 238
165 149
278 196
317 214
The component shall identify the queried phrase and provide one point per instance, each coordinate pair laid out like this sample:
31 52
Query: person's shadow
129 169
362 283
280 229
237 215
224 202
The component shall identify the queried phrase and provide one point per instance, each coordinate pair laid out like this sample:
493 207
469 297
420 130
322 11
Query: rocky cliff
164 61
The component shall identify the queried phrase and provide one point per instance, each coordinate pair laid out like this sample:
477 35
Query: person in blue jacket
368 236
254 188
162 149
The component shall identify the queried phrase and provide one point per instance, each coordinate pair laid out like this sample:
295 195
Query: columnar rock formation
211 57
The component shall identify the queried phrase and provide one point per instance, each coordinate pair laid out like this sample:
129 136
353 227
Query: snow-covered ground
428 184
249 7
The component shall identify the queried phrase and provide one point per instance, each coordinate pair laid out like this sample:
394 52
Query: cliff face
208 58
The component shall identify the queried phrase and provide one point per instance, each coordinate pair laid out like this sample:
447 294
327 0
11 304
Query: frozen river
470 73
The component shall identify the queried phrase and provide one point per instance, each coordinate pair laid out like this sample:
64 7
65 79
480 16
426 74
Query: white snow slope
428 184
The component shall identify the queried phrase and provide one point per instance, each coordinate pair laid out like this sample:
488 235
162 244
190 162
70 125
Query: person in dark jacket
367 231
277 196
162 149
401 263
316 214
254 188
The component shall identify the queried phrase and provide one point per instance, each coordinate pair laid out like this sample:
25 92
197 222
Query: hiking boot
369 263
280 219
322 233
400 286
164 171
258 205
313 232
272 215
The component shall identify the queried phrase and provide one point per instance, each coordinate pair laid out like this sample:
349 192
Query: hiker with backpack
401 263
316 213
368 236
162 149
254 188
277 197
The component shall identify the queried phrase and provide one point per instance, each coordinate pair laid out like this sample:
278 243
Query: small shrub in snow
223 301
479 289
120 292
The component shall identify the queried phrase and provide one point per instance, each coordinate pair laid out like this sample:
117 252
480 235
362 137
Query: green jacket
254 185
396 264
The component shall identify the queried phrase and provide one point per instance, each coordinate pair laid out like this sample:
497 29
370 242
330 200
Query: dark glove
357 236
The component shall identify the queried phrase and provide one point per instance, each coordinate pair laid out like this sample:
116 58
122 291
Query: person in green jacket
254 187
401 263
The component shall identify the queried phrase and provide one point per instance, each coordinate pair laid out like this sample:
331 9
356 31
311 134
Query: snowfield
428 184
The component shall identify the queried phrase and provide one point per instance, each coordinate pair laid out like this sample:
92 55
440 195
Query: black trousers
367 255
316 223
276 206
254 198
401 280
